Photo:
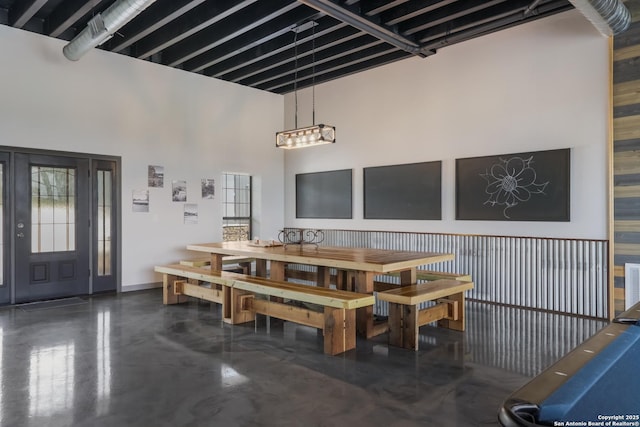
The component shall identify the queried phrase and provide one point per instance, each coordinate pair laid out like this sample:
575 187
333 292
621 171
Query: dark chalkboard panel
410 191
324 194
531 186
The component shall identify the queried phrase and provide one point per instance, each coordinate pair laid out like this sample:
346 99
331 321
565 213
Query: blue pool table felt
609 384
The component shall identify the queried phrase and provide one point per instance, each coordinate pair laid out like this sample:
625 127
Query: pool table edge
528 398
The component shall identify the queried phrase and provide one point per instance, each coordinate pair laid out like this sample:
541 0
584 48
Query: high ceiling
252 42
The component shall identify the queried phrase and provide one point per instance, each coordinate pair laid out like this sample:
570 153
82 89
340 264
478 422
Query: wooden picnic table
361 264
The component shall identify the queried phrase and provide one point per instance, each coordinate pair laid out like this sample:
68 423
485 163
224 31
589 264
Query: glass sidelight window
105 208
53 208
236 203
1 223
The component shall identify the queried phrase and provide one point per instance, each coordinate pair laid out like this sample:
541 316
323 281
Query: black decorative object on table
300 236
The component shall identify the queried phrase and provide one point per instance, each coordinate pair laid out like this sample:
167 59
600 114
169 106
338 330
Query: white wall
543 85
194 126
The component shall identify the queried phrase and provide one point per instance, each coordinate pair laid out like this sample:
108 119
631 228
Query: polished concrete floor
127 360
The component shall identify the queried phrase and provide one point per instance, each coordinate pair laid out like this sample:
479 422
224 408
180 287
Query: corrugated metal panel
563 275
541 338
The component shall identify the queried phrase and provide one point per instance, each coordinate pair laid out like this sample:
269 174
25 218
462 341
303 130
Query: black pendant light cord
295 75
313 73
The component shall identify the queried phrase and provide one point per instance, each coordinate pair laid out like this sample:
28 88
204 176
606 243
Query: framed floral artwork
531 186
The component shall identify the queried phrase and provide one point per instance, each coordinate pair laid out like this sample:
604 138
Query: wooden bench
427 275
181 281
405 318
337 320
379 286
243 262
237 295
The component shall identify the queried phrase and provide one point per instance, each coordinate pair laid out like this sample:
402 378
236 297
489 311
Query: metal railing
559 275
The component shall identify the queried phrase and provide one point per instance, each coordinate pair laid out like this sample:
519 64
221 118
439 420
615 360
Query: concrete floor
127 360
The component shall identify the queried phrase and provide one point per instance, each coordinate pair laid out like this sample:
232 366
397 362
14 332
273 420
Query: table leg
277 270
246 267
364 315
341 279
261 267
408 277
324 277
216 262
349 281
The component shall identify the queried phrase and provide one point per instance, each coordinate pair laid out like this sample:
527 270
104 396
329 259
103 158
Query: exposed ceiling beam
499 24
448 14
375 7
197 20
261 52
363 23
411 10
226 31
271 58
344 61
157 16
477 19
261 34
343 69
23 11
321 58
67 14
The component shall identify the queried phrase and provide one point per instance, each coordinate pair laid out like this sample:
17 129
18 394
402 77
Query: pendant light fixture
315 134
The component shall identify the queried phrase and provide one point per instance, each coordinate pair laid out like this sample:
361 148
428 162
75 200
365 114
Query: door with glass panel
52 226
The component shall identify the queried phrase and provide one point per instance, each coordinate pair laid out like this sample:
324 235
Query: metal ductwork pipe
103 26
610 17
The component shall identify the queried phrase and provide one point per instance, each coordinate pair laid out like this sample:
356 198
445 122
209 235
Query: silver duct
102 26
610 17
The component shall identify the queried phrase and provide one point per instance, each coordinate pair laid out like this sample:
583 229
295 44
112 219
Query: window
53 209
104 222
236 205
2 253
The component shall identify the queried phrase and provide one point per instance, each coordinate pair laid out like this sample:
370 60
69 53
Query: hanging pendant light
312 135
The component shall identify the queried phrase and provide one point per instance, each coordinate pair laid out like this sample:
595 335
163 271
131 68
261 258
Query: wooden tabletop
363 259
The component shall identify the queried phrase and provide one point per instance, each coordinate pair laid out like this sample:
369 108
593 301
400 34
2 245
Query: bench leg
403 326
458 323
339 330
233 311
168 294
238 309
226 304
